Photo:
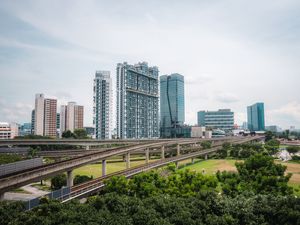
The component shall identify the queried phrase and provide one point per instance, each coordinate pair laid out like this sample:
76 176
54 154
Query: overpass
22 178
77 142
93 186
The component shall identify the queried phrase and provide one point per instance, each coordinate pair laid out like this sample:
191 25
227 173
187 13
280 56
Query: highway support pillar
147 155
70 178
104 167
1 196
193 160
127 160
178 149
206 156
163 152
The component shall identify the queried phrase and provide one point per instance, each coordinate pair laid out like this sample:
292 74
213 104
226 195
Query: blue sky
232 53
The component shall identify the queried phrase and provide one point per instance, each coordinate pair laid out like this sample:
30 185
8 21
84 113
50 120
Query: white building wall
39 114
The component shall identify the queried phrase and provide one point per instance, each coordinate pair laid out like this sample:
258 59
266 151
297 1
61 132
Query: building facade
172 113
32 121
137 101
256 117
71 117
45 116
102 109
8 130
222 119
25 129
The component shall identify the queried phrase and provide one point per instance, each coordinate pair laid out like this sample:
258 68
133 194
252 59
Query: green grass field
95 170
210 166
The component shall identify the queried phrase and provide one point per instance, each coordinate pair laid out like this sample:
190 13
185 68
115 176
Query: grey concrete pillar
206 156
70 178
128 160
178 149
104 167
177 164
163 152
2 196
193 160
147 155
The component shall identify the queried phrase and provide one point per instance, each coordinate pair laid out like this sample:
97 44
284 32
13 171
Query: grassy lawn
20 190
95 170
211 166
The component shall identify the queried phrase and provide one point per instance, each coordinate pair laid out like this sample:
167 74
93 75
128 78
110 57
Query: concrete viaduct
22 178
93 186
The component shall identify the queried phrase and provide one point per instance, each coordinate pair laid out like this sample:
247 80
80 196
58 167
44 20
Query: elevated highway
22 178
90 187
77 142
36 174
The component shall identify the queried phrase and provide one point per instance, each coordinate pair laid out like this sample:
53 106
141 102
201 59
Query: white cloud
226 98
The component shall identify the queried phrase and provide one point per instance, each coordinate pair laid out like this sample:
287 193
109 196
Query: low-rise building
8 130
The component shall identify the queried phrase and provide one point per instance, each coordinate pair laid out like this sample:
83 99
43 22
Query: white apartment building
102 99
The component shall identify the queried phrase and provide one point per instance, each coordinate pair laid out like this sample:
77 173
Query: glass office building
171 104
256 117
222 119
137 101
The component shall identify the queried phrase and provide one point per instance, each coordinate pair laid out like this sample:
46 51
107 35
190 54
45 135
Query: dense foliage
182 183
9 158
77 134
204 208
259 175
244 151
256 194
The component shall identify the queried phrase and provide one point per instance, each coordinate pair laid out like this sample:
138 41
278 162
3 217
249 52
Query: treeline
256 194
243 151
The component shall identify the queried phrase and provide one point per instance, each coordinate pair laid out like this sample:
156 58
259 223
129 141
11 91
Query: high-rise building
171 103
222 119
102 105
137 101
39 114
256 117
45 116
32 121
71 117
50 117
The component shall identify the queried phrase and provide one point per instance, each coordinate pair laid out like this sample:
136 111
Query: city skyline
226 65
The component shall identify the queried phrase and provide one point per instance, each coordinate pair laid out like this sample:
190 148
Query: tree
206 144
260 174
58 181
78 179
269 135
80 134
293 149
67 134
32 152
272 146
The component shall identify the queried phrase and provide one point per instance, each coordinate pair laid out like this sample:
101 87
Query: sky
231 53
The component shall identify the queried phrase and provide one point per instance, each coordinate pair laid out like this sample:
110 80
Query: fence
19 166
58 194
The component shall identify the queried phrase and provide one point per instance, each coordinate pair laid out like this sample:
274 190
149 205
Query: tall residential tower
171 103
137 101
71 117
102 105
45 116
